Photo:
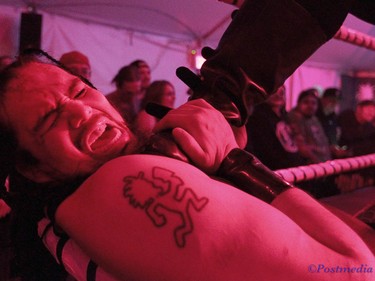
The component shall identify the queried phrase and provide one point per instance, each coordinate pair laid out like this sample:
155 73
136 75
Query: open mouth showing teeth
103 138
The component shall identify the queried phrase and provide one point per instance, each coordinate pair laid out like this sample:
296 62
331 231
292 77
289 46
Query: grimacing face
69 127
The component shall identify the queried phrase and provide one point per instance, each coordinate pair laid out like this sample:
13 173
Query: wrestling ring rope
328 168
337 166
78 264
355 37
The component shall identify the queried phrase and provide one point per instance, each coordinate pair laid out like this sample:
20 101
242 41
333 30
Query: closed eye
80 94
47 122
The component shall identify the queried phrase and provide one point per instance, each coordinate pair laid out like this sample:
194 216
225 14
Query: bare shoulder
143 174
142 160
136 207
147 165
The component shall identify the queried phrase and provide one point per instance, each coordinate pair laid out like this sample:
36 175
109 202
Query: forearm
246 172
322 225
363 230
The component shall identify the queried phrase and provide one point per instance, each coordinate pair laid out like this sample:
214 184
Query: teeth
105 140
97 133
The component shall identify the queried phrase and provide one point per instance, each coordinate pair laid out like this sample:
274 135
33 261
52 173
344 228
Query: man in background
77 63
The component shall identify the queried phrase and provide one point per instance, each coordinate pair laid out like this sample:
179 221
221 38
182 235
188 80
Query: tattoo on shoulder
162 194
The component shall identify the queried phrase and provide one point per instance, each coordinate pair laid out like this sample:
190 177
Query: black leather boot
265 43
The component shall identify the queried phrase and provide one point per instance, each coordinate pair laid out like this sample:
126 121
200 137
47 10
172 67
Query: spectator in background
5 61
128 86
358 131
160 92
327 116
145 73
77 63
270 135
311 140
358 134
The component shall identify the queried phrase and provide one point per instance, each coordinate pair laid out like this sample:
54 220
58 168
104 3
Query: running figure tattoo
164 191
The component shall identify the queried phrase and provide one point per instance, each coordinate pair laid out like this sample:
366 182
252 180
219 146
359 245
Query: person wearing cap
327 114
358 135
77 63
145 75
144 72
328 118
358 131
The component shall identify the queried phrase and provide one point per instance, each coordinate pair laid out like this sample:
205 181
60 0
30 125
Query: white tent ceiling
194 20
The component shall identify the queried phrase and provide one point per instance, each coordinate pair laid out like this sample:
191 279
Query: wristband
247 173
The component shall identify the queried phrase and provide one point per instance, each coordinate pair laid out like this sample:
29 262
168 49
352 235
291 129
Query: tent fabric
113 33
306 77
108 49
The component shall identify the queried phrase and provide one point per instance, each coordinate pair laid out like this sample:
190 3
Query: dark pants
6 249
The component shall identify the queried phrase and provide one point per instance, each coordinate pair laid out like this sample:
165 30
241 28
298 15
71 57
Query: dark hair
10 153
364 103
29 201
128 73
331 92
139 63
154 92
309 92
